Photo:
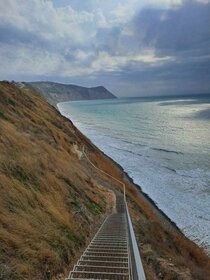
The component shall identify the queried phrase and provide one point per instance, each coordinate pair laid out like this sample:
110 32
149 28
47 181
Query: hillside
52 201
55 92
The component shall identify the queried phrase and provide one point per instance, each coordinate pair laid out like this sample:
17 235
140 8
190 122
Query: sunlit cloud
94 41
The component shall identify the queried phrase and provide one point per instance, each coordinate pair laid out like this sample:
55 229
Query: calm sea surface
164 145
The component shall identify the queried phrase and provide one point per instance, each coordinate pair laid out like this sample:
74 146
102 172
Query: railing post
124 192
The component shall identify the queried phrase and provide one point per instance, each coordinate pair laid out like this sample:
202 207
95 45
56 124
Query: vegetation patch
70 235
2 116
19 174
94 208
74 237
74 201
7 274
11 102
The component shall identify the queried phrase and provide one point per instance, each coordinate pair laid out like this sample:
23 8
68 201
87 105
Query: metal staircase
109 254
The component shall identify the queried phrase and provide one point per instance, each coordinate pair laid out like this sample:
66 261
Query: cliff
55 92
52 200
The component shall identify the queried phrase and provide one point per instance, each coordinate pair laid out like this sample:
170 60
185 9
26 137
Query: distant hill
55 92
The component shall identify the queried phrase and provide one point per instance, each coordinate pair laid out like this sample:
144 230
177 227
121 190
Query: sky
133 48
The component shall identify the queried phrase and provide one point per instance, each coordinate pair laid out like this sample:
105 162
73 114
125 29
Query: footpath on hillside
107 256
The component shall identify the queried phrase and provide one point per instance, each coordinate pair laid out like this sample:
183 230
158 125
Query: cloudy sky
133 47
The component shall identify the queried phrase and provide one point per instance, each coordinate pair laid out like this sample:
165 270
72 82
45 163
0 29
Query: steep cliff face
52 200
55 92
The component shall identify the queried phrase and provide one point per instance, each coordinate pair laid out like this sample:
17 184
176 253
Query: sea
163 143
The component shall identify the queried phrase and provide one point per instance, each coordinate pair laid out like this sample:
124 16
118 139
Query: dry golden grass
45 193
51 202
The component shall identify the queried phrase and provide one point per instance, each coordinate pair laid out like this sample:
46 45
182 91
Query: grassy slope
51 202
48 201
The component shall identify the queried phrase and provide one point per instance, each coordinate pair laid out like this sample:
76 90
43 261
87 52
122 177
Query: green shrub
95 208
19 174
2 116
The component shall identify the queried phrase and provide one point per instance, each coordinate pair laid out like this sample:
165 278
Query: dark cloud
183 34
157 51
175 30
107 39
10 34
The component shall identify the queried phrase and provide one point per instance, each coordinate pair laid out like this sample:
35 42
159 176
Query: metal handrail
136 267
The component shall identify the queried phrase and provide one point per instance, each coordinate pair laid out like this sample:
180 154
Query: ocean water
164 145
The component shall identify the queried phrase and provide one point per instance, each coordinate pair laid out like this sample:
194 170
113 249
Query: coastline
143 195
58 200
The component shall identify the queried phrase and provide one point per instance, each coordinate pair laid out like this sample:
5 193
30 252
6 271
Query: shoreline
159 211
58 200
141 193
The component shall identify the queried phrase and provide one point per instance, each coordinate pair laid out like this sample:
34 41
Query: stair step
96 249
109 242
103 263
111 269
111 250
106 254
104 258
99 275
107 247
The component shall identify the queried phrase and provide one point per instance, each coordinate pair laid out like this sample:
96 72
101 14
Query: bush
95 208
